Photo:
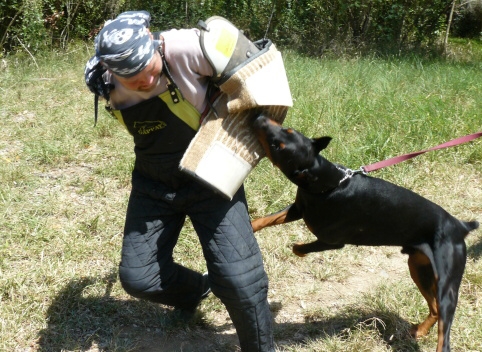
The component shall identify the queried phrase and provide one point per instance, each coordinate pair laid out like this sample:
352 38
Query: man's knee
133 283
175 285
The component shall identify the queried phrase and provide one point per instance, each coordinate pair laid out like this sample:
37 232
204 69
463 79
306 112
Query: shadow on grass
390 327
81 322
475 250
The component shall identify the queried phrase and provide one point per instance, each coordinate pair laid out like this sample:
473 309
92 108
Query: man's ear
320 143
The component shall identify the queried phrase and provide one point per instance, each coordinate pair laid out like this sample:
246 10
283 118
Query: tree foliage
312 26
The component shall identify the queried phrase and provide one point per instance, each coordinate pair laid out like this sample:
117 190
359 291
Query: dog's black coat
363 210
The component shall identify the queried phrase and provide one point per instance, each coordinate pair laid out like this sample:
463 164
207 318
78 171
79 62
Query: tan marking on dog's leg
440 336
419 265
270 220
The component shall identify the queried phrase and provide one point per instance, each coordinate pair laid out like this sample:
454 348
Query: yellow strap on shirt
184 110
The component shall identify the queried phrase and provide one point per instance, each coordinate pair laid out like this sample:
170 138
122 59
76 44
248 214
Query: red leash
399 159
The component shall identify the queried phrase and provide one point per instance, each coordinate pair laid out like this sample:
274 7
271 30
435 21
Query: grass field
64 188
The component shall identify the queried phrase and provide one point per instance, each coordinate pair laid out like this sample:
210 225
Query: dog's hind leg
450 261
422 273
302 249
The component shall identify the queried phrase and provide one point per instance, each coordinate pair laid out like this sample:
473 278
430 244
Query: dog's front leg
288 214
302 249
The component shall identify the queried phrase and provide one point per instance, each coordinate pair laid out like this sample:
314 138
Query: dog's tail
470 225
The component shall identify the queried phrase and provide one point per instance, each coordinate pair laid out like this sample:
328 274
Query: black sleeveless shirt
162 131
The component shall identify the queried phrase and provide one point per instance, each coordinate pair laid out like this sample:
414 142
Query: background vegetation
315 27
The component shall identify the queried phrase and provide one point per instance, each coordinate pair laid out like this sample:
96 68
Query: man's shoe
206 287
184 315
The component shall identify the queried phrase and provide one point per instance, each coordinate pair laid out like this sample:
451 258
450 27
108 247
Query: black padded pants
155 216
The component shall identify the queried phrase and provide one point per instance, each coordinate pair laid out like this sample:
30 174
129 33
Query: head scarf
124 45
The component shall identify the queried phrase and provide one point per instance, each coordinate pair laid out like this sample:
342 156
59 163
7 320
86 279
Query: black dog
341 207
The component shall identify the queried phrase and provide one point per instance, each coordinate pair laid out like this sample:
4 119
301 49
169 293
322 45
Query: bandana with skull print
124 45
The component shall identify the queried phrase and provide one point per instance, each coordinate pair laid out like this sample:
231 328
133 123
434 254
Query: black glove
93 78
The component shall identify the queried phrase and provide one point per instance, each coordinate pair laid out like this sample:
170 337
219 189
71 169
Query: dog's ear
321 143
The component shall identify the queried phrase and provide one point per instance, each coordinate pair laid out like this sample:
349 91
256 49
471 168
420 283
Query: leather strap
171 85
401 158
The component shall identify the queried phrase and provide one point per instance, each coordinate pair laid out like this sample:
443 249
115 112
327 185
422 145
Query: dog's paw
416 331
297 249
424 327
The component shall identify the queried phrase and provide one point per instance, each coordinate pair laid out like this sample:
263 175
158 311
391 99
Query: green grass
65 186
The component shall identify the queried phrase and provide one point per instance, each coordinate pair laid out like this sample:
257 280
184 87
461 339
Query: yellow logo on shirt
146 127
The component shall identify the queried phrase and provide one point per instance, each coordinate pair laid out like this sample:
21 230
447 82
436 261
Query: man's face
147 79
